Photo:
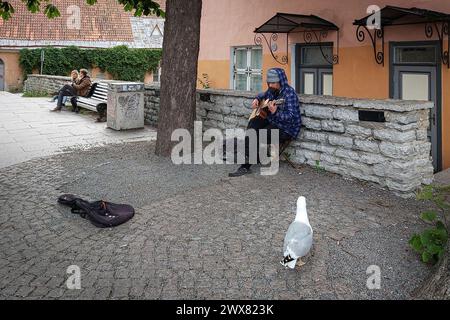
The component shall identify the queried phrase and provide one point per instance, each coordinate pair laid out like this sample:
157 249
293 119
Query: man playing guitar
277 108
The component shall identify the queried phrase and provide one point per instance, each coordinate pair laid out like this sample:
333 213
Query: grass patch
35 94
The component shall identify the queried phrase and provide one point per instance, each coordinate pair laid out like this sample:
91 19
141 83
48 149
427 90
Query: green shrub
121 62
34 94
431 243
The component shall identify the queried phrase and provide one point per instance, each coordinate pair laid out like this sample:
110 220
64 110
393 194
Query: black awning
397 16
313 28
391 16
287 22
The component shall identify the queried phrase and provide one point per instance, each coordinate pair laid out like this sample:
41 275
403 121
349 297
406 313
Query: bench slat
99 99
99 96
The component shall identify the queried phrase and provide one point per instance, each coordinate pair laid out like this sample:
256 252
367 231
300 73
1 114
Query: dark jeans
67 90
257 124
101 109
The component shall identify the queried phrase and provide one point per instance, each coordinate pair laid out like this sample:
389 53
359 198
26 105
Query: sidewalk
28 130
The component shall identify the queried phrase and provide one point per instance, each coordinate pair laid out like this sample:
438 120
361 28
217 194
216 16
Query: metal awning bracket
442 30
273 47
375 36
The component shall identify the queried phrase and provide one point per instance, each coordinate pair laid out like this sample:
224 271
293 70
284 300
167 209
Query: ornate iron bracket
442 32
378 34
271 43
319 35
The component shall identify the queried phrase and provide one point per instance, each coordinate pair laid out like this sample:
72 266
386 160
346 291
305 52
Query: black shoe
240 172
56 109
77 110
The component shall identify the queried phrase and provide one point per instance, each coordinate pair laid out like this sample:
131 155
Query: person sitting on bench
75 79
80 88
282 114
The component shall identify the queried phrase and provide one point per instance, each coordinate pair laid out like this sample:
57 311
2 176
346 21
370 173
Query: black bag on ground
102 214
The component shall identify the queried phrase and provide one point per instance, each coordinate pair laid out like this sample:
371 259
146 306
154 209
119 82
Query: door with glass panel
247 68
316 81
314 71
416 76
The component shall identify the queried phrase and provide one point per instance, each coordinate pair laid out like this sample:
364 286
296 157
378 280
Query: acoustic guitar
263 108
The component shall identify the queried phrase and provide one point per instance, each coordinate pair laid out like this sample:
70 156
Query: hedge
121 62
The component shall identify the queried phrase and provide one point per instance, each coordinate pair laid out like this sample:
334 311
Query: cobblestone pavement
198 234
28 130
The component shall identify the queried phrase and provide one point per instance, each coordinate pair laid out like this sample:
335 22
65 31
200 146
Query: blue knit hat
272 76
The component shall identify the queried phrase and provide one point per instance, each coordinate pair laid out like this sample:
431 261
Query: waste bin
125 105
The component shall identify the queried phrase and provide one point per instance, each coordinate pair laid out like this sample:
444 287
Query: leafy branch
431 243
205 82
140 7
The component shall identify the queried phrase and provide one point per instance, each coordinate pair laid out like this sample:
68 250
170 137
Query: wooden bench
97 97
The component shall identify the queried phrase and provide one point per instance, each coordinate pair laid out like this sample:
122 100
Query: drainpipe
42 60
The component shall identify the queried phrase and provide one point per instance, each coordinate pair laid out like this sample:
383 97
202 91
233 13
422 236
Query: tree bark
181 44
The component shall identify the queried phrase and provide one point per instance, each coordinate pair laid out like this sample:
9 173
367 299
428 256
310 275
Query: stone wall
52 84
394 154
44 83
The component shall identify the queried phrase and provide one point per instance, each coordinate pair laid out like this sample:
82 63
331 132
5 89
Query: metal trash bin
125 105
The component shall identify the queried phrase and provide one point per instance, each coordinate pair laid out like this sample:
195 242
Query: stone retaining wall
394 153
44 83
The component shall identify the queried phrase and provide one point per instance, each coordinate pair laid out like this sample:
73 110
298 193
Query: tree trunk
179 71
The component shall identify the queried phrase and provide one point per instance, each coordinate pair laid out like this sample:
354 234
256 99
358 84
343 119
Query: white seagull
299 237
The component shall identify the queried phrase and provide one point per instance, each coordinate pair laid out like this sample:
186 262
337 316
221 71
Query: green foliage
121 62
205 82
318 167
141 7
431 243
428 216
6 10
33 94
51 11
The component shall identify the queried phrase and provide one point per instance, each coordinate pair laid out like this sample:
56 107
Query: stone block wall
44 83
51 84
394 153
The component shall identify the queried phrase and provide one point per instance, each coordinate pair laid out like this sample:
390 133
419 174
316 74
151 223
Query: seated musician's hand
272 107
255 104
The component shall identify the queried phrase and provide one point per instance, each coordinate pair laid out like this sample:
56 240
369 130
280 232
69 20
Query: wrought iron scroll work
319 35
273 39
442 32
378 34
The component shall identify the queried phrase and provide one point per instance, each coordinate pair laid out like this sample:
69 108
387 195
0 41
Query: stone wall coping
370 104
48 76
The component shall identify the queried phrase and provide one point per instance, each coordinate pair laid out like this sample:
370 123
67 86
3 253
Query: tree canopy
140 7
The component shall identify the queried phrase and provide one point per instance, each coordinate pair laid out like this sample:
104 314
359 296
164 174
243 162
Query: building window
413 55
314 72
247 68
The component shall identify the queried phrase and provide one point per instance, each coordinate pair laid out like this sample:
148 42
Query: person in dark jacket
75 79
285 117
79 88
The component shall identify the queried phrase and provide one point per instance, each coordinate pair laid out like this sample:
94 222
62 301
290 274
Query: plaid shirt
287 117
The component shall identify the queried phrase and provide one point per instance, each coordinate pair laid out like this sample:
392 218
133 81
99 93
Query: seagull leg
300 262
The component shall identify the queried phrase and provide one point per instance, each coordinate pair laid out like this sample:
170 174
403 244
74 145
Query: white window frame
248 71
